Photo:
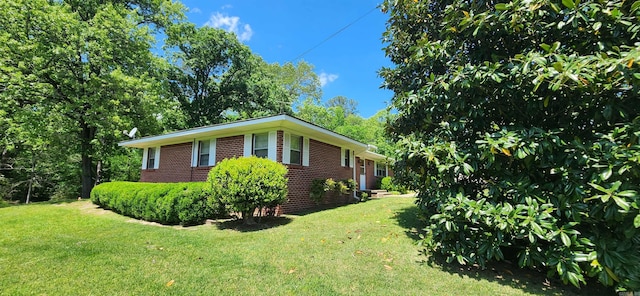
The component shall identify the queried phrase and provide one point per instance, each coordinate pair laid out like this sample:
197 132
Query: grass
361 249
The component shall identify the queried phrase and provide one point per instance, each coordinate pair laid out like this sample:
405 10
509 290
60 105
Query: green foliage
339 115
320 188
77 73
364 196
246 184
216 78
391 184
166 203
518 125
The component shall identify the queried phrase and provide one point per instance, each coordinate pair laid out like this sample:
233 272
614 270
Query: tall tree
86 66
349 106
215 77
521 120
300 81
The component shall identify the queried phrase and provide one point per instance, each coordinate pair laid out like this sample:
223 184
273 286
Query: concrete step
376 192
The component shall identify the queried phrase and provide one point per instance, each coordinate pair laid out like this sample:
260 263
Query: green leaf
623 204
636 75
597 26
546 47
635 6
569 4
565 239
501 6
606 174
636 221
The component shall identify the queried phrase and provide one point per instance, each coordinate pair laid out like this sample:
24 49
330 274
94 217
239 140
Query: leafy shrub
320 187
245 184
166 203
318 190
523 141
3 203
364 197
390 184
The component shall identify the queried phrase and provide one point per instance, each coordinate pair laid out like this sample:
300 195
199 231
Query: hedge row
166 203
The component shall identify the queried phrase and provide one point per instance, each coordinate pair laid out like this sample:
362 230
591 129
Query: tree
349 106
521 121
86 66
215 77
367 130
298 79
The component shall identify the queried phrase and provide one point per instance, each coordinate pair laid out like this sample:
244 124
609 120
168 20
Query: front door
363 175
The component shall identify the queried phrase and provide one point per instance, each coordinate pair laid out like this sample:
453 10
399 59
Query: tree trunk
247 218
98 173
87 179
33 175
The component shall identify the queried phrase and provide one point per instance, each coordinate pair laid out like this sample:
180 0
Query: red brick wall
370 173
324 162
229 147
279 146
174 165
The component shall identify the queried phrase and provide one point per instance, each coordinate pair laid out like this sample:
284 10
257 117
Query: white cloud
326 78
230 24
195 10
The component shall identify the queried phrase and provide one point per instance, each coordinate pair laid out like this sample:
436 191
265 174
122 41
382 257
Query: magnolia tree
519 126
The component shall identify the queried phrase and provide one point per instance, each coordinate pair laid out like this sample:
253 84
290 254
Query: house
309 152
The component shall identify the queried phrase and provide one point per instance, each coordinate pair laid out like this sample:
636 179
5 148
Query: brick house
309 152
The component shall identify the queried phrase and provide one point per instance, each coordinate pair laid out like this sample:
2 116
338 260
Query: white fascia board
293 124
202 132
374 156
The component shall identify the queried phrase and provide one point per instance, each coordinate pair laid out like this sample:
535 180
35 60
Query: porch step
376 192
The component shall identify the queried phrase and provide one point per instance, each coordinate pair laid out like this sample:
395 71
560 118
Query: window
261 145
347 156
203 153
362 167
151 158
381 169
295 150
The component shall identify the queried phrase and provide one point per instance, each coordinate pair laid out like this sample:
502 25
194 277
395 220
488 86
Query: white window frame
146 158
254 147
346 157
377 168
299 149
197 153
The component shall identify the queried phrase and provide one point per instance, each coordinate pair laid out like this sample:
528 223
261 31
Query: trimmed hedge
166 203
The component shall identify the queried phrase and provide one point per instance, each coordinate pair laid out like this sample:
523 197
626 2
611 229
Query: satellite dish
132 133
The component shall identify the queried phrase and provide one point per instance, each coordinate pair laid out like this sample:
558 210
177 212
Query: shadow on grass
265 223
505 273
319 208
409 219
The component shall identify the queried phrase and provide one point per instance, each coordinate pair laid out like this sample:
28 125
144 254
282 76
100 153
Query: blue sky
280 31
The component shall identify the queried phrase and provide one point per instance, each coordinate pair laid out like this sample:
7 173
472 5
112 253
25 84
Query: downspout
192 156
353 171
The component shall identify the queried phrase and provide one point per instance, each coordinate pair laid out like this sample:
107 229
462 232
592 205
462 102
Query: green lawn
360 249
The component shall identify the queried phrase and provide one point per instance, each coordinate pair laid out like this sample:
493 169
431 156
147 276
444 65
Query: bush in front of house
319 188
389 184
246 184
166 203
